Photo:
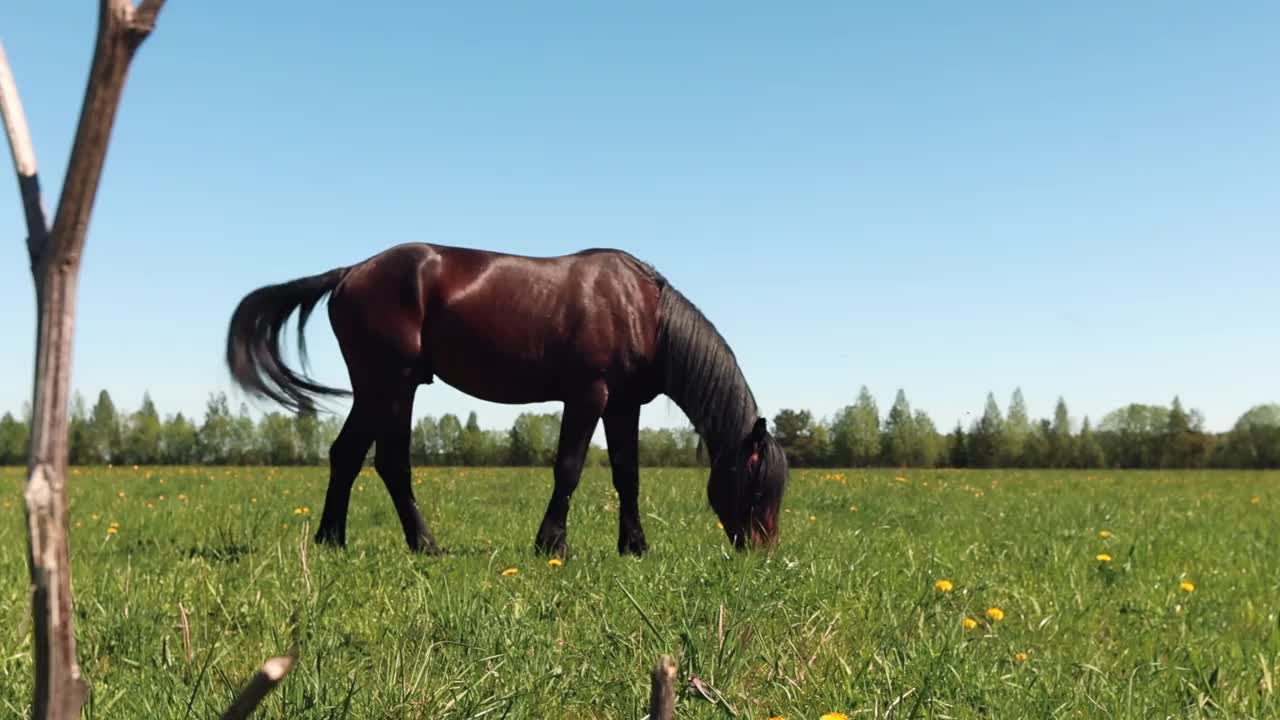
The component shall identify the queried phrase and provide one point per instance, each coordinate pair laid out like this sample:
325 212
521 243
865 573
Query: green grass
842 617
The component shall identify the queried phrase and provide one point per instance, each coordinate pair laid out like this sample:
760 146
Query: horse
597 330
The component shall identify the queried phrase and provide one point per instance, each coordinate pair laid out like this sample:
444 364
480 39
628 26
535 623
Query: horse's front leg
577 425
621 428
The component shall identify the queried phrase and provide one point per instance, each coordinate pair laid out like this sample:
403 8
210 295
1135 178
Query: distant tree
449 430
855 433
799 437
1254 440
216 440
1017 430
277 441
311 441
13 440
473 444
534 438
900 441
957 447
179 441
79 435
1036 451
987 436
1060 448
424 448
143 435
104 431
1131 435
928 447
1088 451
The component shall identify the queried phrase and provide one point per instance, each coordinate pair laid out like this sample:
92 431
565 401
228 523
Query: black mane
701 374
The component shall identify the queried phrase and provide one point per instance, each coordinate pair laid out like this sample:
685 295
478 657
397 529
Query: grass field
845 616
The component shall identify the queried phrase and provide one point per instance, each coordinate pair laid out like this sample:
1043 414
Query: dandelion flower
1102 557
511 571
1020 657
555 562
944 585
834 716
812 518
995 613
112 530
1104 533
969 623
1256 500
1187 586
151 506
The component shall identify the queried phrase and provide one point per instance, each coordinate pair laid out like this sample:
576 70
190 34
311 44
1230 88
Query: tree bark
55 266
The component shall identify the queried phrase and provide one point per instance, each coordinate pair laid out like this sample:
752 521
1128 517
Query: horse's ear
759 429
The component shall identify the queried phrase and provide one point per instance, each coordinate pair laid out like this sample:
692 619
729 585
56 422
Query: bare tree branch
662 690
24 158
55 266
262 683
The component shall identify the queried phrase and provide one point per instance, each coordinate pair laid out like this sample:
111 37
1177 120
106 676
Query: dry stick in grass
262 682
662 690
55 267
186 633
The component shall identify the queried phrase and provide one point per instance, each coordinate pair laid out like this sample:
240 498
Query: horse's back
505 327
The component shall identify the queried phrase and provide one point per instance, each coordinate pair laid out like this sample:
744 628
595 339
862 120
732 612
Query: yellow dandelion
995 613
1187 586
853 508
302 511
511 571
151 506
1256 500
555 562
162 497
812 518
719 525
1020 657
944 585
113 530
8 504
1104 533
834 716
120 494
969 623
1102 557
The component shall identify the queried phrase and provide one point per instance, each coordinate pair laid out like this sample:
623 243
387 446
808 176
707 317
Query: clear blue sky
951 198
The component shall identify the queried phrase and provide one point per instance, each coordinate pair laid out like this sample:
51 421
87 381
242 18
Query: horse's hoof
329 539
551 544
633 546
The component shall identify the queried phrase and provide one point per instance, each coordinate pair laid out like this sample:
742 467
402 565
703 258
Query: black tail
253 340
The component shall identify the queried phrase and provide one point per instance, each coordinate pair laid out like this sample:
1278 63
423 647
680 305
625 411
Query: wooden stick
262 683
662 690
55 267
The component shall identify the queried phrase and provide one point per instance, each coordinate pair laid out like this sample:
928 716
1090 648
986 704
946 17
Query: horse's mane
700 372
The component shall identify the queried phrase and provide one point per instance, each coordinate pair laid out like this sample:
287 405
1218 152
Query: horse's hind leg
576 428
346 456
391 460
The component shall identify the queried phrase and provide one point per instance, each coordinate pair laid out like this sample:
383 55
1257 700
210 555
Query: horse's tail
253 340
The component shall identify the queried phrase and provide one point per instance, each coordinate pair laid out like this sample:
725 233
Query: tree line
1132 436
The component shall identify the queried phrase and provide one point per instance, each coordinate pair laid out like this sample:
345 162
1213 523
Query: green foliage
855 433
844 617
1132 436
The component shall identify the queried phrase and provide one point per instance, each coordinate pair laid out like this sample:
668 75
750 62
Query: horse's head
746 486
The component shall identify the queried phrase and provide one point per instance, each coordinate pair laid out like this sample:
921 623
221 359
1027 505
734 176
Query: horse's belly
487 372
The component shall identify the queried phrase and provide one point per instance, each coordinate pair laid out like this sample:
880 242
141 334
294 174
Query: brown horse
598 330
